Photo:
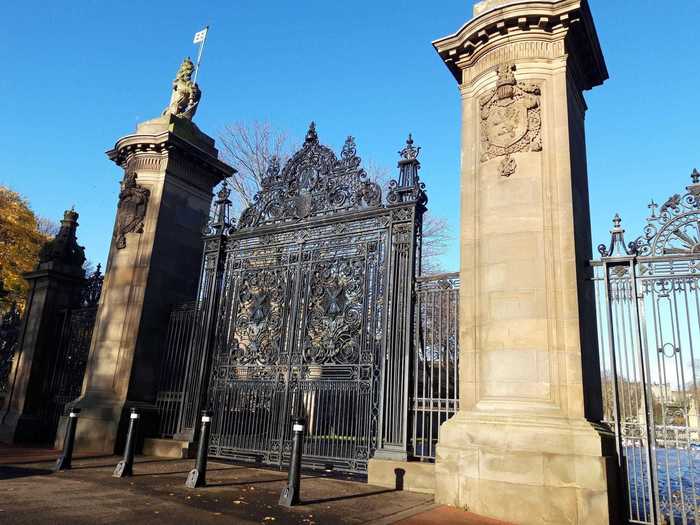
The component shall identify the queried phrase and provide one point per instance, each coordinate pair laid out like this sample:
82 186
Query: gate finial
311 136
64 247
617 241
408 187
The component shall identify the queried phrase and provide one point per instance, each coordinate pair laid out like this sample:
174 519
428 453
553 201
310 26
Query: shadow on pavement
116 459
349 496
214 483
10 472
165 473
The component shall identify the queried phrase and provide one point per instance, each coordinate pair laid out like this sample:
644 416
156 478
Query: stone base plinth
97 427
527 469
103 423
412 476
169 448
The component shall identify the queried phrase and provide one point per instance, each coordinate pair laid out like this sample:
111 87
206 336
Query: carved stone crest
131 210
510 120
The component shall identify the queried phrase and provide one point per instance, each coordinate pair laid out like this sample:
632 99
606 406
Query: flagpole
199 55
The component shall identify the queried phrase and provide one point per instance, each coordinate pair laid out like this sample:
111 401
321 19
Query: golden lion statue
186 94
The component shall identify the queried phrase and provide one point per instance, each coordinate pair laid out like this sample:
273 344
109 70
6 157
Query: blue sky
78 75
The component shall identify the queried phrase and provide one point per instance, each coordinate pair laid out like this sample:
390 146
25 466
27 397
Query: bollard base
62 463
194 479
289 497
122 470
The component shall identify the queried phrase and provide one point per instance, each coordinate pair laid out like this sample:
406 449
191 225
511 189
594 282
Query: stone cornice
55 272
537 26
162 144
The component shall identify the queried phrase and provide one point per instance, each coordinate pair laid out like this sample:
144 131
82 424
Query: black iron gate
71 345
10 325
66 374
306 307
648 300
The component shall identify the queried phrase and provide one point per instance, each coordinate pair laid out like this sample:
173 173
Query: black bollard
125 467
64 460
198 475
290 494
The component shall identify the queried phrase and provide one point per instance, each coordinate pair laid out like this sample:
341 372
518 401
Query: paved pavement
31 494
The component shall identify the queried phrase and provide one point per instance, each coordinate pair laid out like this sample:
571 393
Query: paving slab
31 493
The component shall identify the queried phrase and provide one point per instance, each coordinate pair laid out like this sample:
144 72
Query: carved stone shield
131 210
507 123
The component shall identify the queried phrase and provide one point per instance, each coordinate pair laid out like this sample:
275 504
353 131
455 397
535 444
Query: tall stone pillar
54 285
170 168
525 446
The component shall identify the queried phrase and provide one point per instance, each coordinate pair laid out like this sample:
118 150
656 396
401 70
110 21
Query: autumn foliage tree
22 234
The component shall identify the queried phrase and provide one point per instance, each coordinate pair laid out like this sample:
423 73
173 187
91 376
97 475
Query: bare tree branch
47 227
436 240
436 232
249 147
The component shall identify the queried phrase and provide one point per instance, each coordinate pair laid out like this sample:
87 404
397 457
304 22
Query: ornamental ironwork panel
307 308
648 302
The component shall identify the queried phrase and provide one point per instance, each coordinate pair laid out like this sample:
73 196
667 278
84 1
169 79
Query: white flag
200 36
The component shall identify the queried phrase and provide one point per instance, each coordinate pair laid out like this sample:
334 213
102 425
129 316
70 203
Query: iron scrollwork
92 289
313 183
334 313
673 230
258 328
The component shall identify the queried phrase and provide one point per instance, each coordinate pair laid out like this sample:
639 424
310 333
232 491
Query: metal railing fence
169 397
435 370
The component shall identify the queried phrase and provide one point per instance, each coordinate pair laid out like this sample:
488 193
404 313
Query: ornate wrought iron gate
307 307
648 295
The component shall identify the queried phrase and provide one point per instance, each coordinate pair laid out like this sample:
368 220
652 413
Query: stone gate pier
170 168
524 446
